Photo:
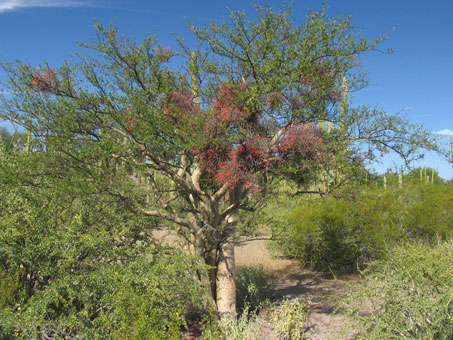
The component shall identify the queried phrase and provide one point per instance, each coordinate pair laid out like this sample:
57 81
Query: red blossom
245 163
132 119
211 158
299 143
179 107
230 104
46 81
232 148
240 164
313 79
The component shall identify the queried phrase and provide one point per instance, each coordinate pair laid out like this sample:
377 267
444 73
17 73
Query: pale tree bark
219 253
211 221
225 280
226 272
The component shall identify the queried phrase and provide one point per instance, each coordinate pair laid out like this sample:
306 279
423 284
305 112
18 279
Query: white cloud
10 5
445 132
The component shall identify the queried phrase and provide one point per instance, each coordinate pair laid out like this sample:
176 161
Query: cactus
321 118
343 107
342 122
330 127
425 175
193 76
385 182
28 145
400 181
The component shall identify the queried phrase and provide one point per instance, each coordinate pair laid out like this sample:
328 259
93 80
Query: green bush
245 326
409 295
75 264
340 234
9 287
252 287
144 298
290 317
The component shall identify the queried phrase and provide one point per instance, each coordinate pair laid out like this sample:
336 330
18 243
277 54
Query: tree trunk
212 261
206 278
226 281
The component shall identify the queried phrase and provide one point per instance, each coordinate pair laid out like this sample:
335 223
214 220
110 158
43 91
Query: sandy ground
291 281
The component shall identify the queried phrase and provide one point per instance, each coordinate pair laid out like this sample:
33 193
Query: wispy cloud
10 5
445 132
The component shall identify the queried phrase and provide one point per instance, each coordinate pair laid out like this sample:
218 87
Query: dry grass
254 252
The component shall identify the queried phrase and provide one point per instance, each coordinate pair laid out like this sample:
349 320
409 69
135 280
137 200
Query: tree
196 144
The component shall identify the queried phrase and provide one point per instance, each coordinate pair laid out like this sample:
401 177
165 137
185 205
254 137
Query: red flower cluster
211 157
132 119
300 146
230 104
313 79
46 81
299 140
243 163
179 107
233 147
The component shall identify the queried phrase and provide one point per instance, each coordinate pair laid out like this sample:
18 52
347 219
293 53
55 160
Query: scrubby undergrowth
409 295
346 233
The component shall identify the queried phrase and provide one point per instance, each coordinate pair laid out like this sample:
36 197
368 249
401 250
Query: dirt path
291 281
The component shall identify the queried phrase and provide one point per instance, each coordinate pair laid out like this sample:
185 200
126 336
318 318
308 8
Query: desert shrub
408 295
145 298
252 287
430 212
149 298
75 264
339 234
245 326
289 318
9 287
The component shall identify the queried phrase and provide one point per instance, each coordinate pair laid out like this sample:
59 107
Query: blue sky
416 78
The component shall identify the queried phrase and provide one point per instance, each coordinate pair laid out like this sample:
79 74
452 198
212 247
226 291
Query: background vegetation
346 232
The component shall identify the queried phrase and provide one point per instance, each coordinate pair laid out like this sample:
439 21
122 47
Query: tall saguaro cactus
339 175
193 76
343 107
28 145
321 118
330 177
342 128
